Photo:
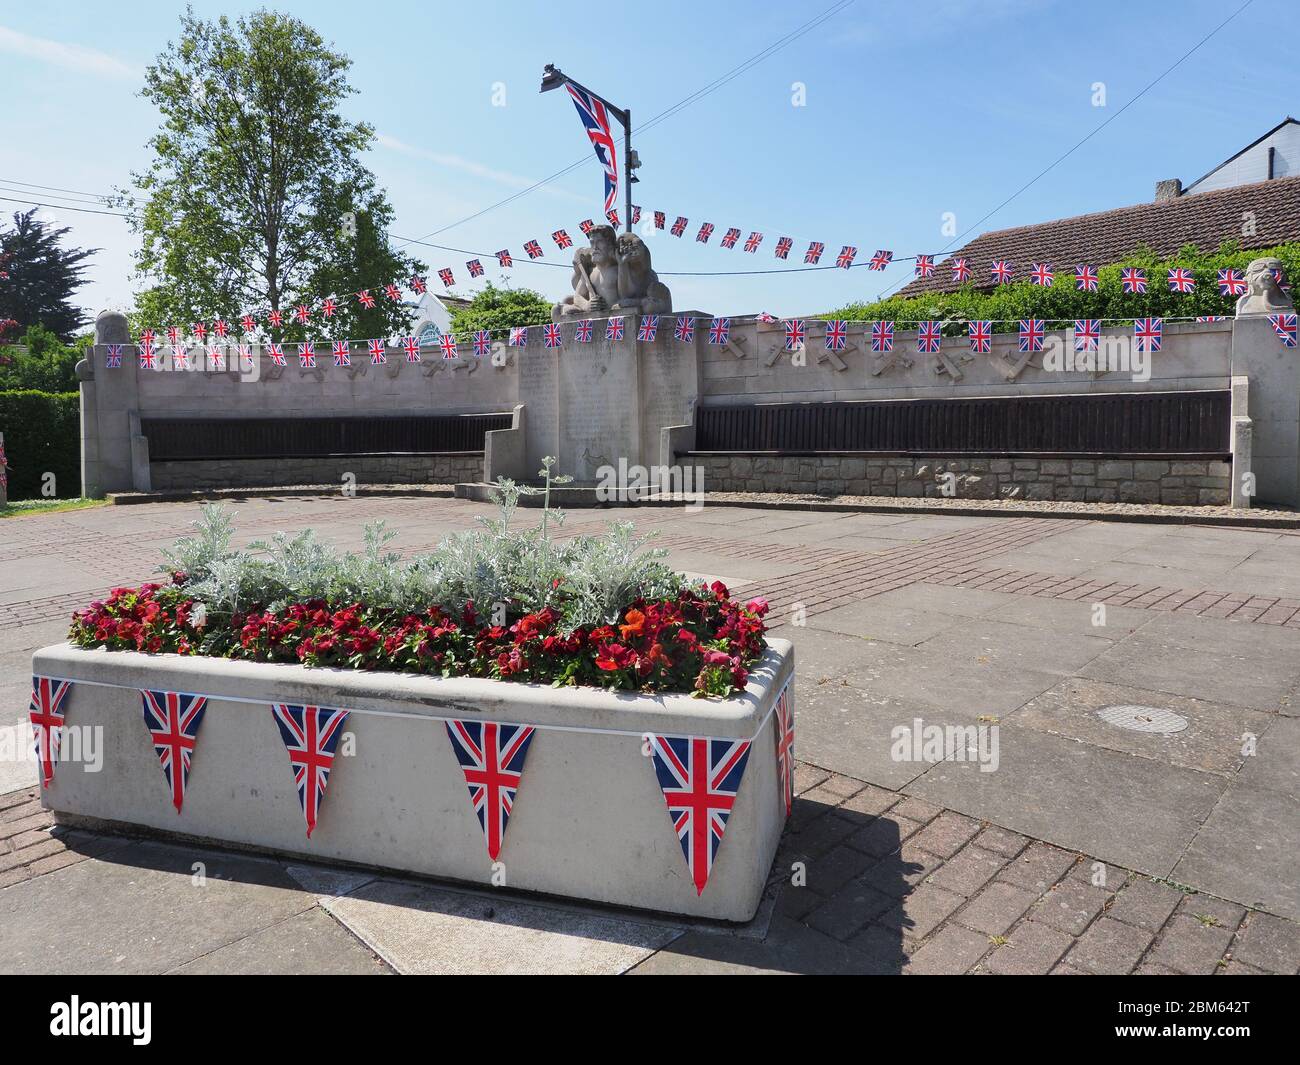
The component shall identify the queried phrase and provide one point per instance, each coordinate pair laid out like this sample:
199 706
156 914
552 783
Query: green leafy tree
40 361
256 198
38 277
499 308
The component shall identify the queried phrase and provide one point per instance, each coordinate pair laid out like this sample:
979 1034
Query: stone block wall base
444 468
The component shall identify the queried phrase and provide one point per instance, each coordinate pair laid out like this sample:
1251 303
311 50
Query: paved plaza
1064 840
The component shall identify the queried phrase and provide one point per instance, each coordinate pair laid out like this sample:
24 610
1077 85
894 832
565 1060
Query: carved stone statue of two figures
613 276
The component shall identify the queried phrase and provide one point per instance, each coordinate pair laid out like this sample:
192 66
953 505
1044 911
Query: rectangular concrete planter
589 821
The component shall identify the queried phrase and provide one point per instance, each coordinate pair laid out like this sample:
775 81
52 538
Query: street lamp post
552 78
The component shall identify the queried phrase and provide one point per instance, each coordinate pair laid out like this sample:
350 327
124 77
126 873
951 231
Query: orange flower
635 624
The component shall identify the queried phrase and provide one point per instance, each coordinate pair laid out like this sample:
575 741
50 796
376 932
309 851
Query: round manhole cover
1143 718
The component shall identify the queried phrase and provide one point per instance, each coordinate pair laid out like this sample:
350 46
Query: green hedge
42 434
1009 303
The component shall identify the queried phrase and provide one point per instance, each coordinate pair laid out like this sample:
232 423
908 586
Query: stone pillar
1241 488
1274 373
108 399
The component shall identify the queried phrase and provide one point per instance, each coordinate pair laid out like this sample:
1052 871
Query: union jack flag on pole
311 736
173 720
45 714
492 758
699 778
595 117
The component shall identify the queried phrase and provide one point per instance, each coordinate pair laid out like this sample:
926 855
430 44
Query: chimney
1170 189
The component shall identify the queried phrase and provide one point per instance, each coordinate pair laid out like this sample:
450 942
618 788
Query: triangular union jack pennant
173 721
46 717
311 735
784 720
492 758
699 777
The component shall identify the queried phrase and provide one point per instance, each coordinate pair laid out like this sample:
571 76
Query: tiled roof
1205 219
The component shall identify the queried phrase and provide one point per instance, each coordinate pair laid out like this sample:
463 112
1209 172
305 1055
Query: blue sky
912 110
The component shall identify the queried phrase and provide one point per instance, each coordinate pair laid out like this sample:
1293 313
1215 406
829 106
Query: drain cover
1143 718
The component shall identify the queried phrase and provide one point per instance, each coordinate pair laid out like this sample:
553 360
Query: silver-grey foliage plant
589 580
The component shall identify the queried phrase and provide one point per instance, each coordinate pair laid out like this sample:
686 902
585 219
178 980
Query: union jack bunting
148 337
981 337
504 258
276 352
482 342
448 345
365 298
475 268
551 335
924 265
113 358
613 217
753 241
699 778
1032 332
614 328
1002 272
814 253
1042 274
311 736
1148 333
492 758
591 109
1133 280
706 231
1284 325
173 720
960 270
881 259
200 331
1211 318
180 358
307 355
586 225
846 256
342 356
794 334
1280 278
328 307
219 328
882 336
303 312
582 331
216 357
679 226
783 247
719 330
518 336
685 329
247 323
45 714
1087 332
636 214
1181 280
660 219
837 333
648 329
928 337
562 239
377 353
446 277
173 335
784 723
730 237
419 285
147 361
533 249
765 317
1085 278
245 352
1231 283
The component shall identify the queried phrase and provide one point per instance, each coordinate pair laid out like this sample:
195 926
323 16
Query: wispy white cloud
469 166
69 56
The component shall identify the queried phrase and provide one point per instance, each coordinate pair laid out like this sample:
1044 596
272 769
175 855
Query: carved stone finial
613 276
111 327
1264 295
